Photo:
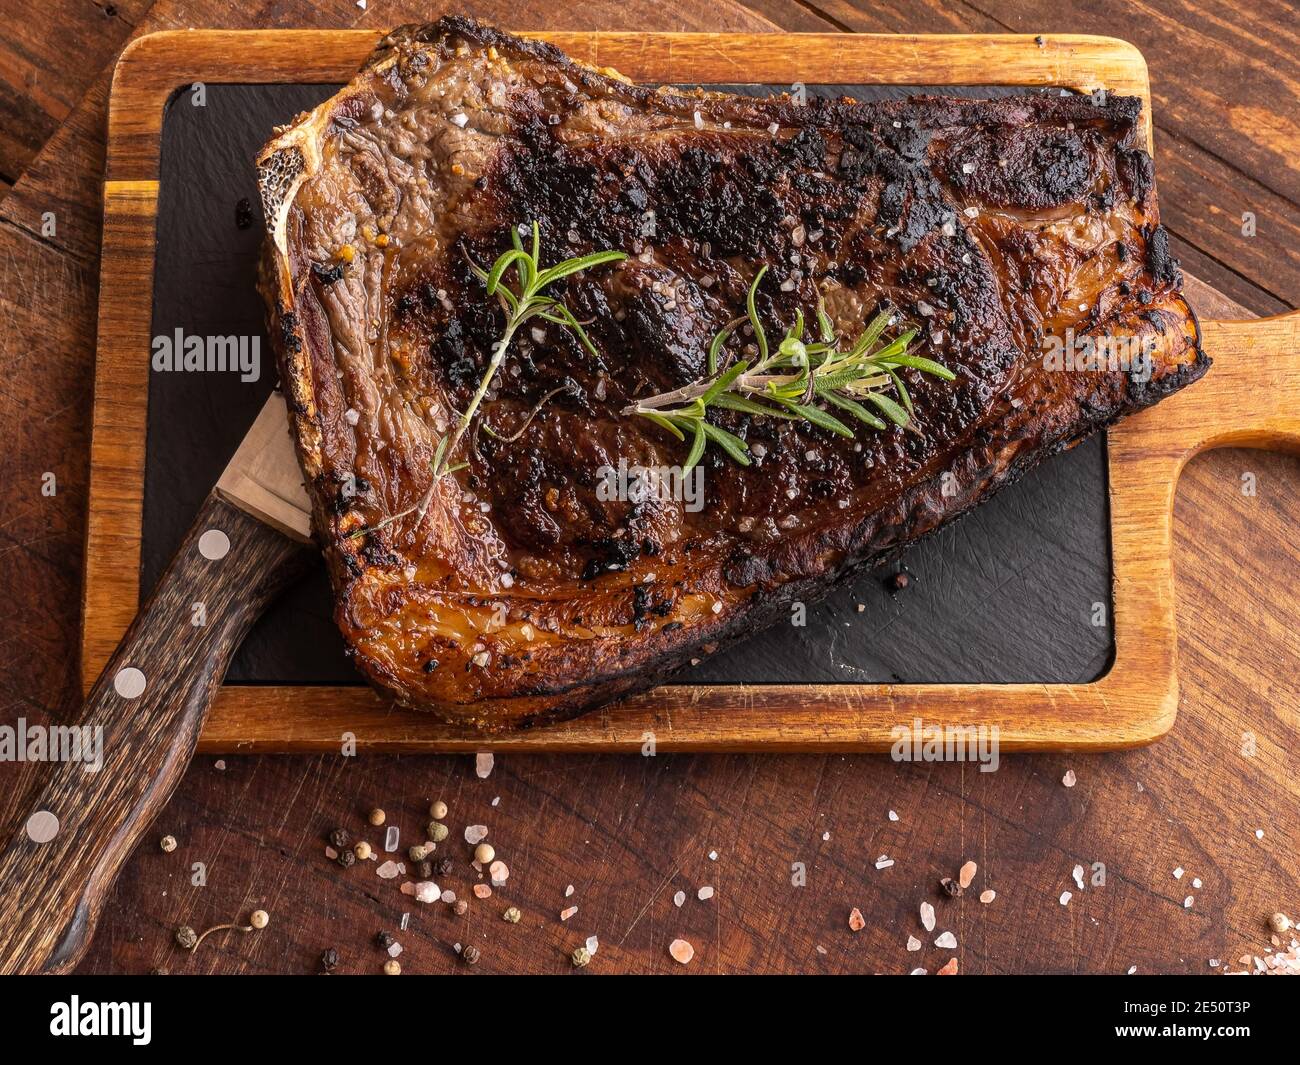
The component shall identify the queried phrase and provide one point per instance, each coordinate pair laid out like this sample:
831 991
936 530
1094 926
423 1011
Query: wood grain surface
628 832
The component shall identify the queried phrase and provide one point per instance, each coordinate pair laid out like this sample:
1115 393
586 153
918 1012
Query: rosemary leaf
698 440
736 448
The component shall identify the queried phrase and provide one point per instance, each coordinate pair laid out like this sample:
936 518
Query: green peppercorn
512 915
418 853
186 937
580 957
438 831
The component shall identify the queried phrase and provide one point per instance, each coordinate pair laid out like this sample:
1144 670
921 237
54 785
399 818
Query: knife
250 540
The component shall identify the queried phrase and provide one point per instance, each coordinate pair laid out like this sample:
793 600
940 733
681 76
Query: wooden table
628 833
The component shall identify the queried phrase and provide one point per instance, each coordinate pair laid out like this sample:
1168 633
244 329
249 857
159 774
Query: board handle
1249 398
75 829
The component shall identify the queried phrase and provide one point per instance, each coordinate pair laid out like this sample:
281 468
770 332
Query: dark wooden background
629 832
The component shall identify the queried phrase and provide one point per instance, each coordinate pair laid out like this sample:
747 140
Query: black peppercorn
470 955
950 887
384 939
424 870
329 960
341 838
346 858
444 866
186 937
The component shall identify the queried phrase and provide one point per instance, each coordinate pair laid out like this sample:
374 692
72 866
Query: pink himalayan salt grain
681 951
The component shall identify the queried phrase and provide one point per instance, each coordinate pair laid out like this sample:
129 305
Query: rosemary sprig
528 302
528 299
797 380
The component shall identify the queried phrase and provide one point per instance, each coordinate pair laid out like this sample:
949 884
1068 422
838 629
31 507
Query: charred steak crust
1009 230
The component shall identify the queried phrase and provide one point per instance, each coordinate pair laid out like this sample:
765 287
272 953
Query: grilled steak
515 589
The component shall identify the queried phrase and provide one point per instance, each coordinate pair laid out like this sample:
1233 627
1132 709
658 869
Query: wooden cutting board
1249 397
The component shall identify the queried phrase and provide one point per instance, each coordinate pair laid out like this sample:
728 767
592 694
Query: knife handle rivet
214 545
42 826
129 682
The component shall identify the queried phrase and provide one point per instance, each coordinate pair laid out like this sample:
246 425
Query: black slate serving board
1018 591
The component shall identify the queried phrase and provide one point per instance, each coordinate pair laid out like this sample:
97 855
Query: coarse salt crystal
459 119
681 951
966 874
475 834
388 870
704 893
913 944
1078 876
884 862
567 913
499 872
1187 902
927 917
892 816
699 120
1196 882
1178 873
483 762
568 891
427 891
1065 898
856 920
713 856
592 944
988 895
917 972
351 417
947 941
1069 779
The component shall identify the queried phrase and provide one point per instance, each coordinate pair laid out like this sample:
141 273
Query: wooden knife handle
148 708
